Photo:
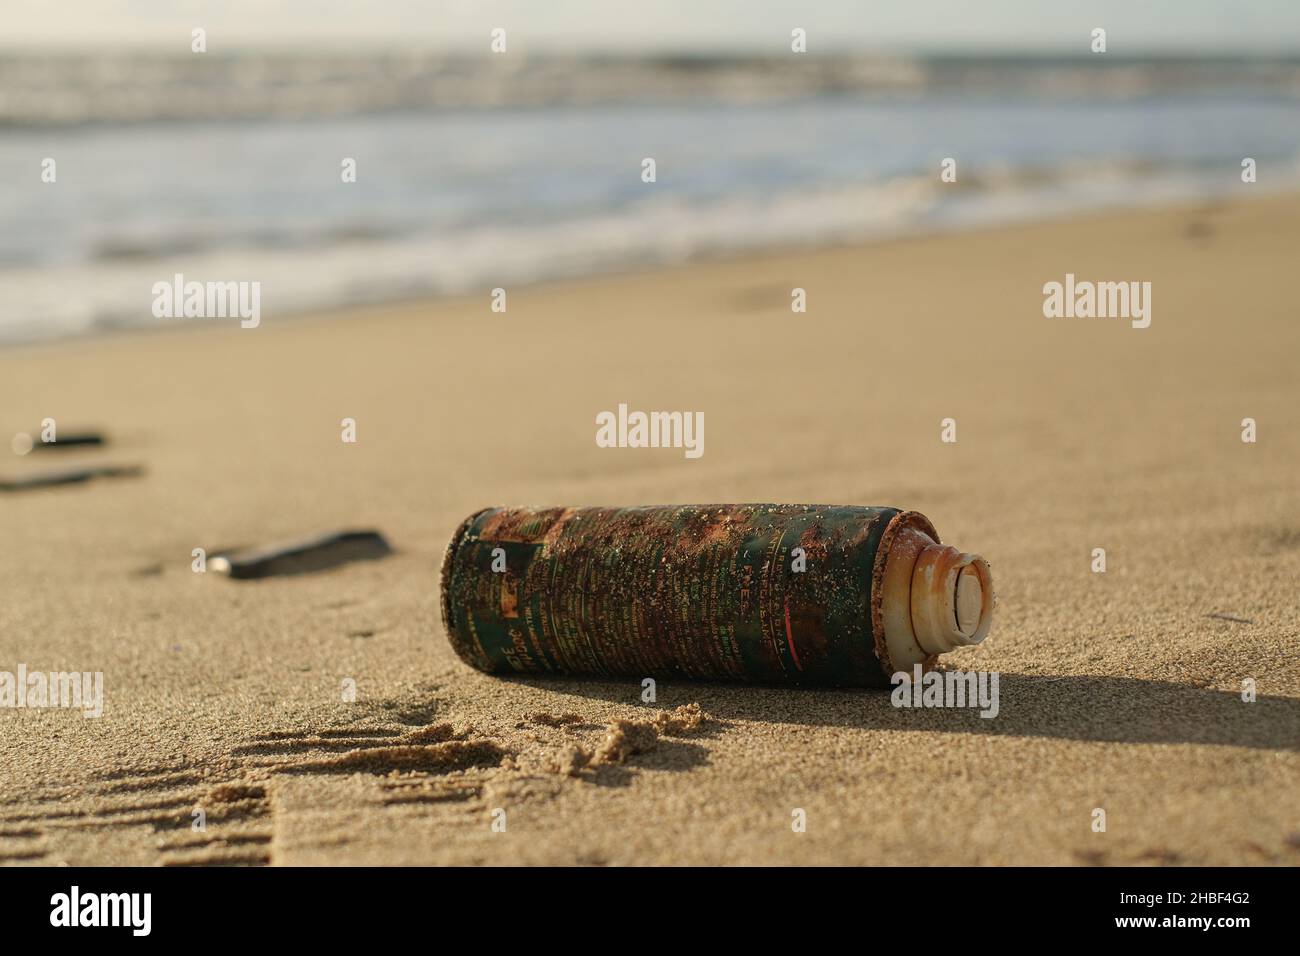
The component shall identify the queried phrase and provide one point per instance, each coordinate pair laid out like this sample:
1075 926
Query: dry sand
1119 690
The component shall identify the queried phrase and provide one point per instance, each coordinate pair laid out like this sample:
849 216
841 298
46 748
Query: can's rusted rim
909 520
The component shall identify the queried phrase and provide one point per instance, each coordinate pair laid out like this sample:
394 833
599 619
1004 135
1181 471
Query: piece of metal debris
68 476
317 553
66 441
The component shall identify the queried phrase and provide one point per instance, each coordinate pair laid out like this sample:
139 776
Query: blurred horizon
62 88
920 27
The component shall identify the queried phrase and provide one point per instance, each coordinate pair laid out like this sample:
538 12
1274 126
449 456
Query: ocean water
454 198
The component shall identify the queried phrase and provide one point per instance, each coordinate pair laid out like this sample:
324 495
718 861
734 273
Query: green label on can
778 594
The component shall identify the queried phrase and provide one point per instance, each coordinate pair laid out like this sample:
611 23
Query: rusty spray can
812 595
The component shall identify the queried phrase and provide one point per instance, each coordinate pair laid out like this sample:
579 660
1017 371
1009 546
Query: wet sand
1119 690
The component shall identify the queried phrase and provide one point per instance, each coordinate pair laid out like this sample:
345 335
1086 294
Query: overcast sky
1137 26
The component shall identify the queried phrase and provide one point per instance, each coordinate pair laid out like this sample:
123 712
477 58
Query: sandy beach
1120 691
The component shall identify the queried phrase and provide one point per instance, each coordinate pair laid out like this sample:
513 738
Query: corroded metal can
773 594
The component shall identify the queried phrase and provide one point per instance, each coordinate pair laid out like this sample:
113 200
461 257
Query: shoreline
704 259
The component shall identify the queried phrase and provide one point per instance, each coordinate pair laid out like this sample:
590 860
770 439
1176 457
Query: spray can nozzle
952 599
